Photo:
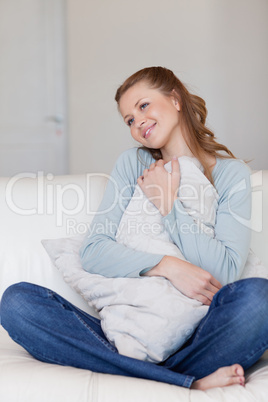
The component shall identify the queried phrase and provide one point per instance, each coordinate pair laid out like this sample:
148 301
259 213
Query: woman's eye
144 105
129 122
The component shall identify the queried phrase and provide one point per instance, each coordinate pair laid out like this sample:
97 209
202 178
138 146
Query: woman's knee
245 293
255 290
252 295
14 302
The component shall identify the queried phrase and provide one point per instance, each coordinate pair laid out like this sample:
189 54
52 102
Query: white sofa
33 208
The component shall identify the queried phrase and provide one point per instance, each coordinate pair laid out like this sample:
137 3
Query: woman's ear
175 100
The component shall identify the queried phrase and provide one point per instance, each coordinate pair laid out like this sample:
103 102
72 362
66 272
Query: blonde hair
200 140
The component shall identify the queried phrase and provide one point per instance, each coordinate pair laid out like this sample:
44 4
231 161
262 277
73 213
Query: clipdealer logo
49 197
255 221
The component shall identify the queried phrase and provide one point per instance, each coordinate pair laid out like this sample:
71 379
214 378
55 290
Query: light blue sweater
224 256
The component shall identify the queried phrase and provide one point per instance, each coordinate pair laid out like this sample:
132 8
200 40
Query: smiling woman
169 122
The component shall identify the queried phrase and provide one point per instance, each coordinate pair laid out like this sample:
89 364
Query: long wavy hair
200 140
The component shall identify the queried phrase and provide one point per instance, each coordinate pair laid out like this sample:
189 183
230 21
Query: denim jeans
235 330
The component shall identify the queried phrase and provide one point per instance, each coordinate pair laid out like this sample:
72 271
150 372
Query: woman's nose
140 121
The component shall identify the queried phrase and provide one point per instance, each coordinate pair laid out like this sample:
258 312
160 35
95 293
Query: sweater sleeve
224 256
100 253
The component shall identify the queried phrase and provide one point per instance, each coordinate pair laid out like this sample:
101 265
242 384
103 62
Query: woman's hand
159 186
189 279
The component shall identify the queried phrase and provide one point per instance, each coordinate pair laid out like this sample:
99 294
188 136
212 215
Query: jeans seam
99 338
58 299
51 294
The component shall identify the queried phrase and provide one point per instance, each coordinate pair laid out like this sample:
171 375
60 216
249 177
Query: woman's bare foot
222 377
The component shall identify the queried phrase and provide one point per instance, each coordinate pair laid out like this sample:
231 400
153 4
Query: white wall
218 47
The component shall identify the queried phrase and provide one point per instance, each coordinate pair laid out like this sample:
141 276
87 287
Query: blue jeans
235 330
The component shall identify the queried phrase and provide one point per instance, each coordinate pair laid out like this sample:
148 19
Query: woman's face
153 118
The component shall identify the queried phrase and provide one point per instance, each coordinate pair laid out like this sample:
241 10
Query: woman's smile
147 131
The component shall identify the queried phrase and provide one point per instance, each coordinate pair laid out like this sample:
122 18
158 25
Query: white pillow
139 316
133 328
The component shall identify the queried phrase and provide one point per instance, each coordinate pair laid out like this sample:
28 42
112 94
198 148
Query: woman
169 122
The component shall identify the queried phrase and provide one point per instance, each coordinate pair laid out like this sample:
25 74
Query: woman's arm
191 280
100 253
223 256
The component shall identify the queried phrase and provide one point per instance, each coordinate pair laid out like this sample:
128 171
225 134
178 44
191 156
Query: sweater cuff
156 260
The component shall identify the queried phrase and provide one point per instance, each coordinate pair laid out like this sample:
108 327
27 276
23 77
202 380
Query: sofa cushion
25 379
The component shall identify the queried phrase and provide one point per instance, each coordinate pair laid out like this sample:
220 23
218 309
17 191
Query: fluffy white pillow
132 328
139 316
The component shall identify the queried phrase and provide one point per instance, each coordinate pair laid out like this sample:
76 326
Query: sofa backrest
33 207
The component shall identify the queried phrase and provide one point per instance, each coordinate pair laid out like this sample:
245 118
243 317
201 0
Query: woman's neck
180 148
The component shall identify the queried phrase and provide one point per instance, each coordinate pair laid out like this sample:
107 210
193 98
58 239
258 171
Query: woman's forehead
134 94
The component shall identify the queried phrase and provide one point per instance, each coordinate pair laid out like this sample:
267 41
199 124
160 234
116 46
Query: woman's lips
147 132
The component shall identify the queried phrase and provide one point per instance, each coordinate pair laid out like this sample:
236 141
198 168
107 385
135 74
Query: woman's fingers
209 292
204 300
145 172
204 297
160 162
215 283
208 296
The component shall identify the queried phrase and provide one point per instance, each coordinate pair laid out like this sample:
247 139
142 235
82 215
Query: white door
32 87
